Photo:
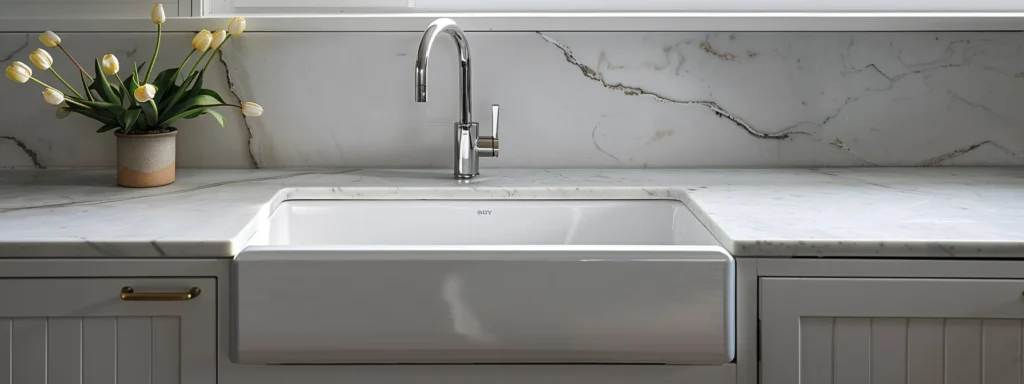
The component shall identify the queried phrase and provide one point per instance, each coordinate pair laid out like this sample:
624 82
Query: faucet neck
438 27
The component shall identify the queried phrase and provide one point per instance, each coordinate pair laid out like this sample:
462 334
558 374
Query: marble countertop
830 212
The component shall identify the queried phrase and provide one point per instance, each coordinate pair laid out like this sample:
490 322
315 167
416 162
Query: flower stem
215 52
222 105
186 83
159 35
178 72
66 83
127 93
156 114
86 86
76 103
197 63
74 61
44 84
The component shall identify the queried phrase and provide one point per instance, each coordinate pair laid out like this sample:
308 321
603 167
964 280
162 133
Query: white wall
719 99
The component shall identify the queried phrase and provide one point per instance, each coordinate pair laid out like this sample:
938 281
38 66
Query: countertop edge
736 206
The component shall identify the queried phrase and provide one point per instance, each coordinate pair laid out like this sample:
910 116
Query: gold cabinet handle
128 294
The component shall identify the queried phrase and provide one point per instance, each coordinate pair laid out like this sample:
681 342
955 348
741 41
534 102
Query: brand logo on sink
483 212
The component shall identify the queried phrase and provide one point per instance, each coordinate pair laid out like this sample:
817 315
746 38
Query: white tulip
53 96
110 64
18 72
251 109
218 39
145 93
236 26
41 59
202 40
158 15
49 39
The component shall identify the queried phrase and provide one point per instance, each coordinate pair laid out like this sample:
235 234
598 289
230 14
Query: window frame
548 22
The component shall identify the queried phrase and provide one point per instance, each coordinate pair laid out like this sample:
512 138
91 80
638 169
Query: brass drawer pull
128 294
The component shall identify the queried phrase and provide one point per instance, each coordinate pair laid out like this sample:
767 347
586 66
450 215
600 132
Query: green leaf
194 99
213 94
85 86
189 114
118 113
165 79
99 104
104 88
197 86
131 84
149 110
164 98
98 88
170 103
128 85
196 112
106 127
167 121
100 116
198 101
216 115
130 117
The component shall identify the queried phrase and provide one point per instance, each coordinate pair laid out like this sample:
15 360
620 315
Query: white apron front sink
430 223
350 282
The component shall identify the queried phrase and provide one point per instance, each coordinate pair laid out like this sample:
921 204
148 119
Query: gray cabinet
846 330
81 330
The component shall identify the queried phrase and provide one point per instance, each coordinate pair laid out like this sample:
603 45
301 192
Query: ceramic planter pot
145 160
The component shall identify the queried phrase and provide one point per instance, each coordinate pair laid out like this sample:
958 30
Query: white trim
890 268
415 22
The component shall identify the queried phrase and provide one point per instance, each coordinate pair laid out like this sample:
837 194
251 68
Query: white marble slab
573 99
853 212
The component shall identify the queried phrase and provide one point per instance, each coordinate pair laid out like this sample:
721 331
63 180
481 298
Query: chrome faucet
469 145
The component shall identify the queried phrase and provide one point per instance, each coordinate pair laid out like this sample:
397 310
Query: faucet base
467 162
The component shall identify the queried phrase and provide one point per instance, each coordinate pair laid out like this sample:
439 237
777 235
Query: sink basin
538 223
456 282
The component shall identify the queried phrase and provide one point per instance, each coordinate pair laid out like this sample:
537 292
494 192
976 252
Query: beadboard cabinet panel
80 331
880 331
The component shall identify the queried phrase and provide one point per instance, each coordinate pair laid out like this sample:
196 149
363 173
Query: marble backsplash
571 99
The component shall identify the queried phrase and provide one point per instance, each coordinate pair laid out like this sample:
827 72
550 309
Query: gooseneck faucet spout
435 29
469 146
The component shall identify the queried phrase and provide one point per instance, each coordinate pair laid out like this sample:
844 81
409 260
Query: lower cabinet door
891 331
104 331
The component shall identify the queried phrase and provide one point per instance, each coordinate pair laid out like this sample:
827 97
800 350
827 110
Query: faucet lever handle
487 146
494 121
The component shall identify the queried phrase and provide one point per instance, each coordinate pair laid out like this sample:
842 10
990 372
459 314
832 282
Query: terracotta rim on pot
145 159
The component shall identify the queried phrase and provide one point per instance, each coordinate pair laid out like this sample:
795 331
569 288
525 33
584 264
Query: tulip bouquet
141 103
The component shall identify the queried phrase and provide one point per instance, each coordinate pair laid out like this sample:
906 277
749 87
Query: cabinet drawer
81 330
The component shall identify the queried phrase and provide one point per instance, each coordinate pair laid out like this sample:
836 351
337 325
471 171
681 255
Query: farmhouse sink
414 281
466 223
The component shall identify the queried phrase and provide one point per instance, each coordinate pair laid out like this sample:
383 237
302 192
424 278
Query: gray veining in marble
850 212
576 99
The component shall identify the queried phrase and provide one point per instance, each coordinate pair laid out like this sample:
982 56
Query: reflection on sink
606 222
